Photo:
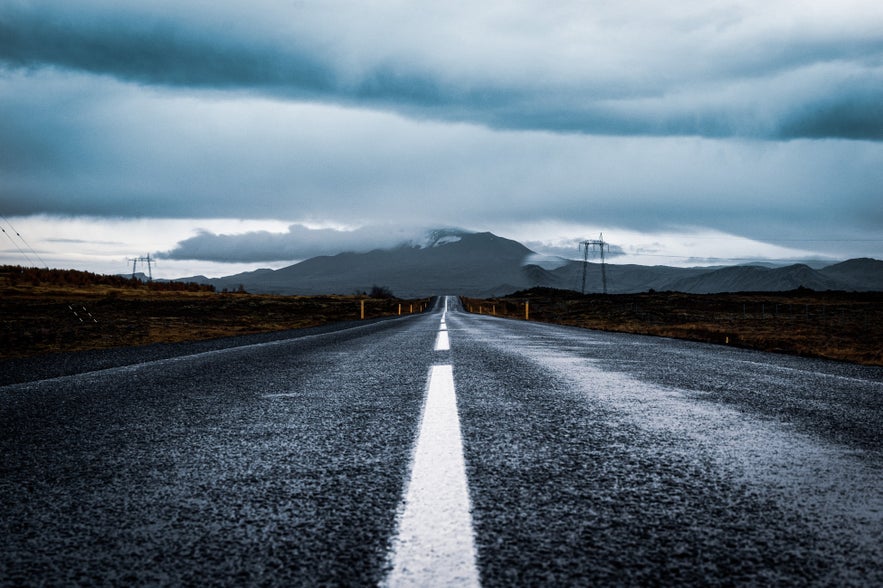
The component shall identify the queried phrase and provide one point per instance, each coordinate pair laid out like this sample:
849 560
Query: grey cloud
856 115
181 48
300 242
574 250
154 49
149 50
170 109
22 149
111 150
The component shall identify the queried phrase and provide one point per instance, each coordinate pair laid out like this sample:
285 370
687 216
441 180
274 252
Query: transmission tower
142 260
592 244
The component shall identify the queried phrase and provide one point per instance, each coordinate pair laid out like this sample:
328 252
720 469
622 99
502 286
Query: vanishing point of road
441 449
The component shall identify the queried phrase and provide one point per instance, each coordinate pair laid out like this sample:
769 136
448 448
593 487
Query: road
446 448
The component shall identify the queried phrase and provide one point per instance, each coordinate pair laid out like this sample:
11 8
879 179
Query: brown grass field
845 326
52 311
47 311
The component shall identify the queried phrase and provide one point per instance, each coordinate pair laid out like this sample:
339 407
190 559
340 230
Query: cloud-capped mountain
482 264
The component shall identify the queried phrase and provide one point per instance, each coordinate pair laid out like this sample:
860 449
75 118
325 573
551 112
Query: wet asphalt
592 458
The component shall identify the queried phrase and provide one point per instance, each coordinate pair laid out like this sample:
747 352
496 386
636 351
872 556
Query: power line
11 240
17 234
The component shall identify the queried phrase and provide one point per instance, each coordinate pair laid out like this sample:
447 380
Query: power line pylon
142 260
601 245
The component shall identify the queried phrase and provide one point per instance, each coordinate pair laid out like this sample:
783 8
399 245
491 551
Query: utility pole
601 245
142 260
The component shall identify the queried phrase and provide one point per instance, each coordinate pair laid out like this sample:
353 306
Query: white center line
434 545
442 342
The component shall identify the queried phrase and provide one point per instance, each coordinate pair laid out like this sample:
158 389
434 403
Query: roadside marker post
527 310
362 314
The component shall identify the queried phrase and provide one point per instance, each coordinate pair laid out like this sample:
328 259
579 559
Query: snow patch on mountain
440 237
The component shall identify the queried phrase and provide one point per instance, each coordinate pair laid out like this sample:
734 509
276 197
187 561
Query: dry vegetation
46 311
844 326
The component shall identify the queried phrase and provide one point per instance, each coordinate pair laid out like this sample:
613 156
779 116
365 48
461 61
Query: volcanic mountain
483 265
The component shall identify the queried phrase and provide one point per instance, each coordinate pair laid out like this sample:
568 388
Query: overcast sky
222 136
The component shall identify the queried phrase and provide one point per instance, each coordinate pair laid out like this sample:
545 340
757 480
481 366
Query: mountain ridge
484 264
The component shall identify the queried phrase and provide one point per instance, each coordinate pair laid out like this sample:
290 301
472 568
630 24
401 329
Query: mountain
473 264
857 274
621 279
756 279
484 265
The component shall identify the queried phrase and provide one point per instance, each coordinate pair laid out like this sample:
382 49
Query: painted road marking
442 342
434 545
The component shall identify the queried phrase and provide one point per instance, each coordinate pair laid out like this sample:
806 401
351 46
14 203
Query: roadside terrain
845 326
53 311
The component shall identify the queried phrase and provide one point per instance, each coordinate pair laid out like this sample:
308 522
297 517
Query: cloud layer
713 69
758 119
298 243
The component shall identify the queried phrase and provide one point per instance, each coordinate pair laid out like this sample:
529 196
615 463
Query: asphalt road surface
444 449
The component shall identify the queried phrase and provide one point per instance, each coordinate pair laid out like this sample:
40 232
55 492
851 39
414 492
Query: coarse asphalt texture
591 458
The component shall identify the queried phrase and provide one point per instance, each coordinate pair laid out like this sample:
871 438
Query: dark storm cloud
685 78
856 115
150 50
94 146
153 49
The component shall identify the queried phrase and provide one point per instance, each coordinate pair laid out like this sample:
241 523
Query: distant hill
485 265
861 274
756 279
